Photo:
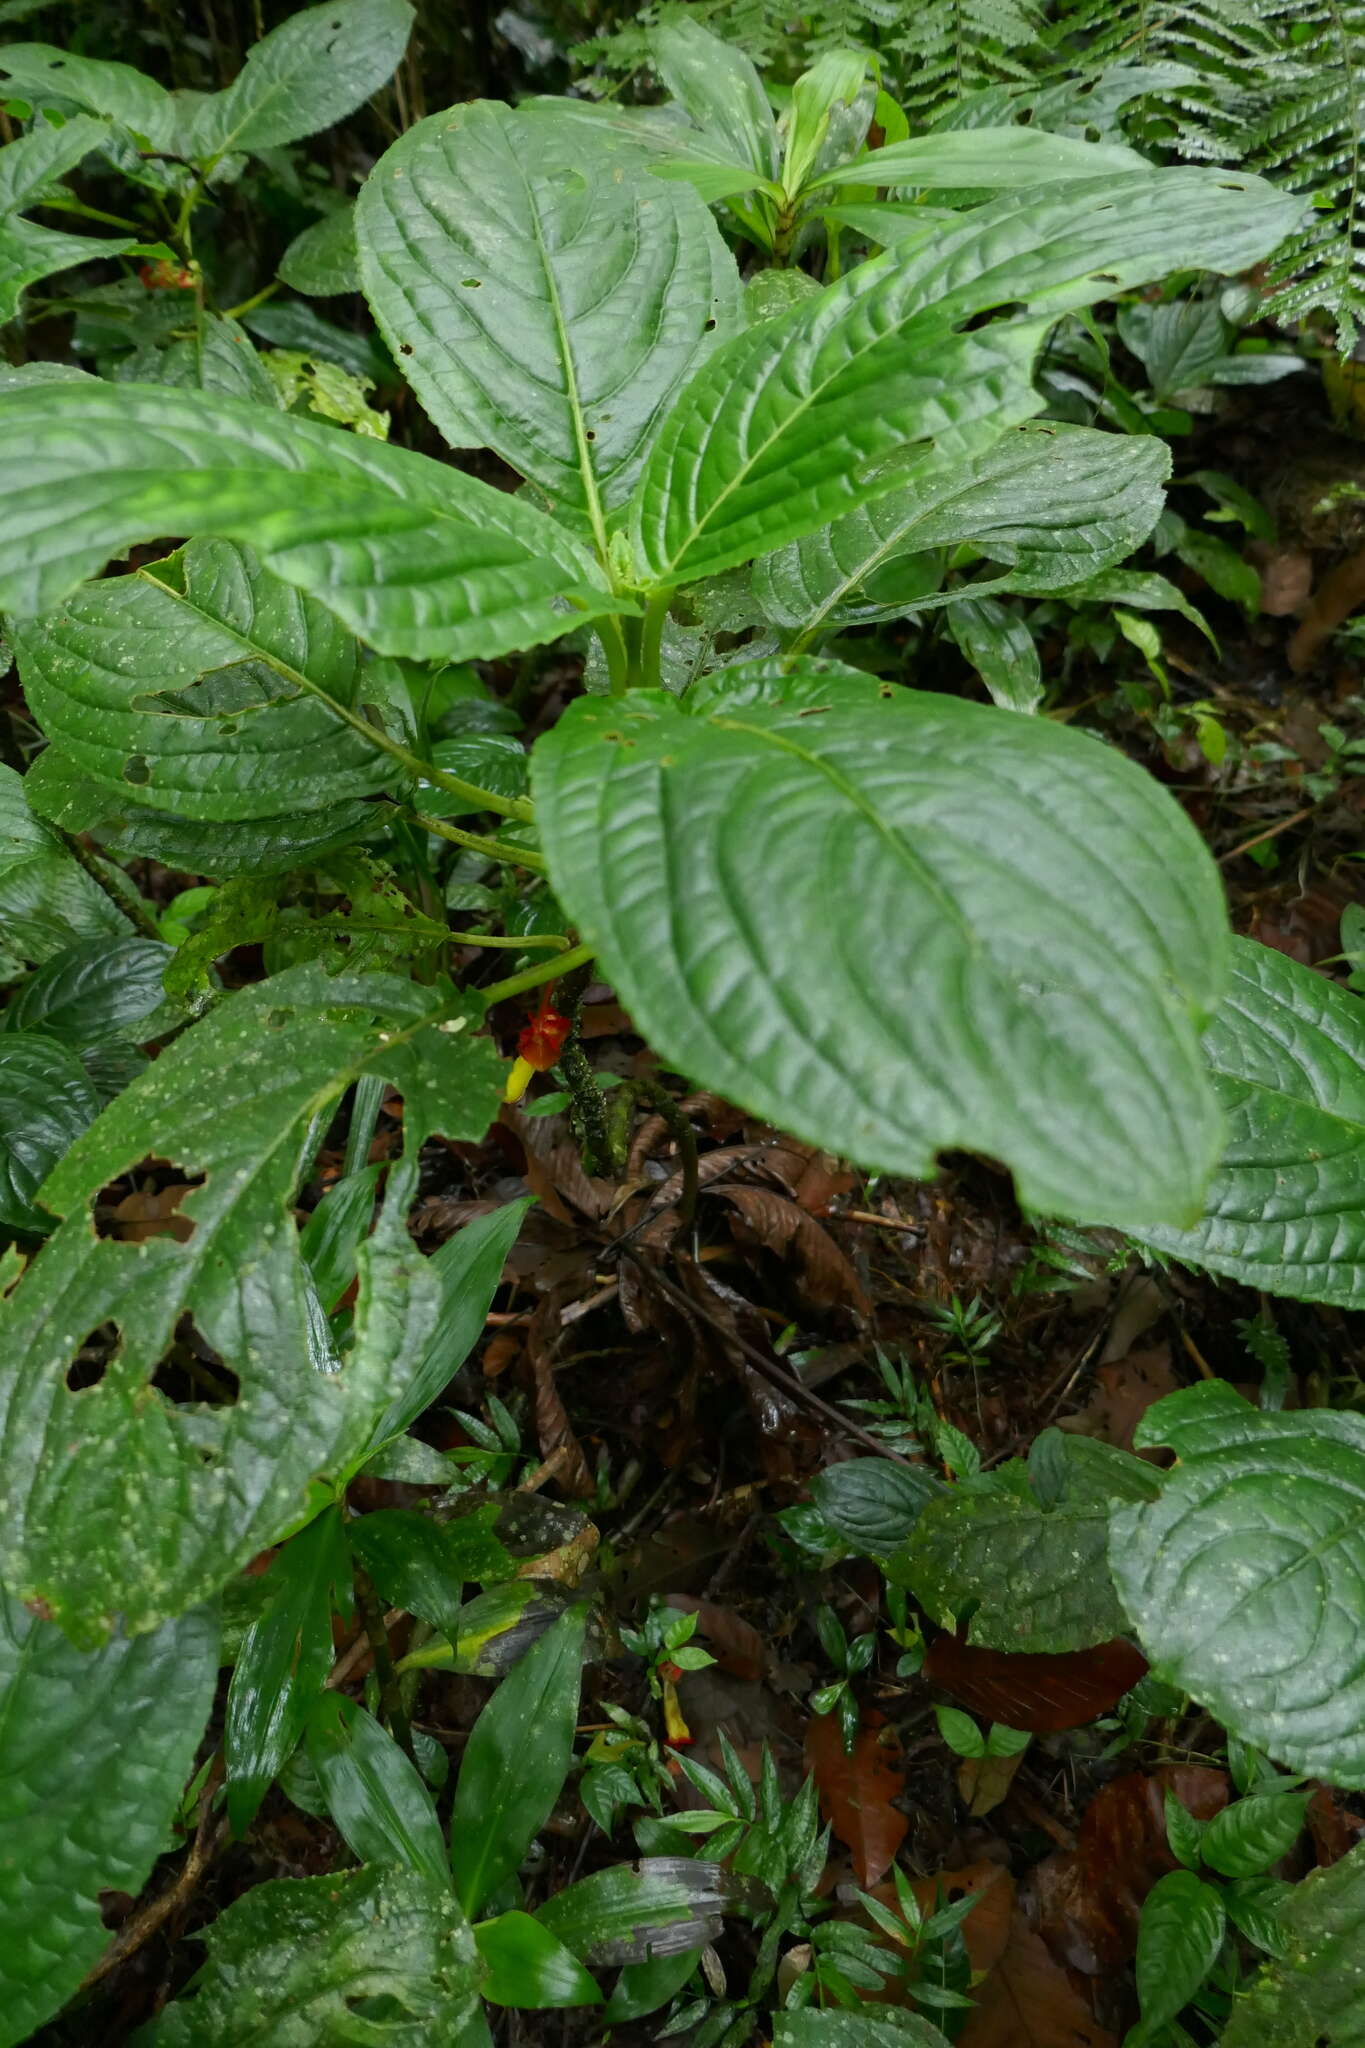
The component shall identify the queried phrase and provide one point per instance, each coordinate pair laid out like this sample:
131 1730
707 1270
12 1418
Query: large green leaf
1243 1579
28 168
1311 1997
516 1760
783 428
1179 1935
546 295
95 1748
97 989
284 1658
121 1493
894 922
417 558
317 66
41 73
529 1968
46 898
1034 1579
180 688
872 1503
46 1100
717 87
374 1793
1287 1055
1057 503
982 158
373 1955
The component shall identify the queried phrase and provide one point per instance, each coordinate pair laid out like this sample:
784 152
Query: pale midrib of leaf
590 491
894 545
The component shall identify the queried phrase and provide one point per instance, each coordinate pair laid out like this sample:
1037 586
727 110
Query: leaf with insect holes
136 1473
1287 1054
95 1748
301 1961
417 558
546 295
790 424
1312 1992
318 65
1242 1578
1041 959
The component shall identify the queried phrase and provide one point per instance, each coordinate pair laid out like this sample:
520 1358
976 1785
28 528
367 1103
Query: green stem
476 842
532 977
110 220
426 771
613 641
652 641
554 942
259 298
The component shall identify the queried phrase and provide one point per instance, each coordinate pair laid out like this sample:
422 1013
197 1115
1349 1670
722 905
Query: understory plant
891 921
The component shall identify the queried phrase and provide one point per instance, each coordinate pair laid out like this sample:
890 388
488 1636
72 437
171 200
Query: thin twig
210 1835
1271 832
391 1705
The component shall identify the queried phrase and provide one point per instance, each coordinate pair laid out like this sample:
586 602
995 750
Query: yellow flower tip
518 1081
676 1729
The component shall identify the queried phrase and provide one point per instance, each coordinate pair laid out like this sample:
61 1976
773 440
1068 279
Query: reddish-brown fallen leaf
1122 1394
1089 1898
554 1430
783 1227
1043 1694
734 1642
1335 1830
856 1792
1028 2001
154 1214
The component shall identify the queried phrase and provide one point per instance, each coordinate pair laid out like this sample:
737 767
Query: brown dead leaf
812 1179
856 1791
1335 1829
1122 1394
734 1642
783 1227
1044 1694
554 1431
983 1781
1089 1898
141 1216
1028 2001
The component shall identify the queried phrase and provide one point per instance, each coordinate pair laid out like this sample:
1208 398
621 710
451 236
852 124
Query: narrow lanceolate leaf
95 1748
516 1760
284 1658
1033 1580
1016 930
544 293
1056 504
782 429
160 1418
374 1793
981 158
46 897
314 68
1287 1055
302 1961
1243 1578
1313 1991
416 558
197 689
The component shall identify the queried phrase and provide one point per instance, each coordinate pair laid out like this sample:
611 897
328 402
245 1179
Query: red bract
542 1039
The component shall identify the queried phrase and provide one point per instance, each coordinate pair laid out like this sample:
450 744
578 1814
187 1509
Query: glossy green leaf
46 1100
97 989
467 1269
421 1565
1243 1578
660 1906
872 1503
1313 1996
318 65
117 1496
528 1968
1246 1838
285 1656
1056 504
374 1793
781 430
1254 1906
985 158
545 295
1035 1579
95 1748
415 557
305 1961
1000 647
323 260
642 1988
332 1237
1179 1935
1041 957
176 687
1287 1054
516 1760
46 898
854 2030
833 81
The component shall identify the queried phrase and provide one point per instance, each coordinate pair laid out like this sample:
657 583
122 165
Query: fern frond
1309 135
1215 53
942 51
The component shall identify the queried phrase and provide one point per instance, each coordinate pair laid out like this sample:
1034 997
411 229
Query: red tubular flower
539 1046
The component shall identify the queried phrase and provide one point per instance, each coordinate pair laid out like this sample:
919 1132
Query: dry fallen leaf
1028 2001
983 1781
856 1792
1122 1394
1044 1694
